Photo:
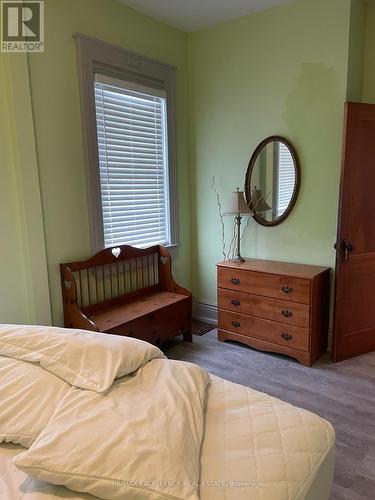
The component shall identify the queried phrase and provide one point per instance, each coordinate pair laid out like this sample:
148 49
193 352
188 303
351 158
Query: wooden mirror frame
258 218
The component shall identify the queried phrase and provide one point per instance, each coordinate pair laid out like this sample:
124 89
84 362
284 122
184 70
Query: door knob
346 247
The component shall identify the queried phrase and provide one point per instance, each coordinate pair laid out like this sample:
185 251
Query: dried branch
245 227
213 187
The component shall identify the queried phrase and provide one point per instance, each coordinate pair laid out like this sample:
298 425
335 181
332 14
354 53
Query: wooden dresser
275 306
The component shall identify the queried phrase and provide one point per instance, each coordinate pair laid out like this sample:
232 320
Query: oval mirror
272 181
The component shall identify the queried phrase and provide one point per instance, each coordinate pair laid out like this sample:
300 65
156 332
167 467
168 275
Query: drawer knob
235 302
236 324
235 281
286 336
287 289
286 313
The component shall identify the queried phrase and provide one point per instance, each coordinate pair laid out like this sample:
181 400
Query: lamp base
239 258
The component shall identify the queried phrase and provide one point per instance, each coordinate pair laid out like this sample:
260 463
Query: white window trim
95 56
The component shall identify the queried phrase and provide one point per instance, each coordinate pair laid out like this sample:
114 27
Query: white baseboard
205 311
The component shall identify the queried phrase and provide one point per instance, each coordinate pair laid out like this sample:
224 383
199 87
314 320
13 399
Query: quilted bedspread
255 447
258 447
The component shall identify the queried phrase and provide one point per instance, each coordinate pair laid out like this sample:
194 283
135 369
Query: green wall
368 89
23 272
356 50
281 71
13 303
55 99
287 70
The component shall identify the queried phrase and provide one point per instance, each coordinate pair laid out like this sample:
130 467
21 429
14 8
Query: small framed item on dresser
275 306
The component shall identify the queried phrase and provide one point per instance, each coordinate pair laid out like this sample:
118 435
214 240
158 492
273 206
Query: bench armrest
73 316
167 283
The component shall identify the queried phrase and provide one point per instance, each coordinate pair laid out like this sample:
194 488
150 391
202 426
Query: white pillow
140 440
29 396
88 360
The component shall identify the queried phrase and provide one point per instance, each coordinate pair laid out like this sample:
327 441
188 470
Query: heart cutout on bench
163 259
116 252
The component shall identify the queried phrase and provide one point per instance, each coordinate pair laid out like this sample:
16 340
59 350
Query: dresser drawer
287 335
290 313
268 285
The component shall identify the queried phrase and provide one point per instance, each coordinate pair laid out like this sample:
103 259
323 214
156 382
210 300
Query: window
129 133
133 162
285 178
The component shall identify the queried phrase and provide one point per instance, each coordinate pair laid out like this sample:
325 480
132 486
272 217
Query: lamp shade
237 204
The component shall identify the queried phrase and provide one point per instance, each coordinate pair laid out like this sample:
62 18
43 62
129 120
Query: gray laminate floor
343 393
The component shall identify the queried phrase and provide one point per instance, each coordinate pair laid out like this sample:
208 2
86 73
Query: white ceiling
192 15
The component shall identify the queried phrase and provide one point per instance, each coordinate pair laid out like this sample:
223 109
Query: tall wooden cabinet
275 306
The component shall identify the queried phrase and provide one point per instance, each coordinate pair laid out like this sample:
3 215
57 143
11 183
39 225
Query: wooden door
354 316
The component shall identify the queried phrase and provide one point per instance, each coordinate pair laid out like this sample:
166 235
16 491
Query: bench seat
145 302
116 316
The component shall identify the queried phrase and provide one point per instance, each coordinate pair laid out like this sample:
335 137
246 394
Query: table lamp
238 206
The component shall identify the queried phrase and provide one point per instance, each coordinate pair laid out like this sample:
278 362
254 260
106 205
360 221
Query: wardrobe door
354 315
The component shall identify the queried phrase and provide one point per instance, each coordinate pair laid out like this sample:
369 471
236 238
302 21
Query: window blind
133 162
286 178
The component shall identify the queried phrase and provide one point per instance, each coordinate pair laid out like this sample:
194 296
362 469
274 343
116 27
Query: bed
253 447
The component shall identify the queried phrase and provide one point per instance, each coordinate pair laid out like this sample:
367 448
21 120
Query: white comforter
130 424
140 440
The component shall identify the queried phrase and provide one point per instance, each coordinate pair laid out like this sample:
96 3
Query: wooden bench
127 291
